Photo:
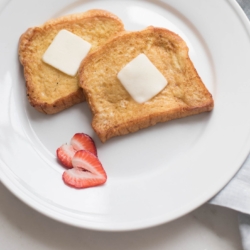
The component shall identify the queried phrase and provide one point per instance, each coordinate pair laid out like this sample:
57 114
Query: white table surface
208 227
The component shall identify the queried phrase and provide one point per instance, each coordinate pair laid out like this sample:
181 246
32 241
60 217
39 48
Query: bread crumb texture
48 89
115 112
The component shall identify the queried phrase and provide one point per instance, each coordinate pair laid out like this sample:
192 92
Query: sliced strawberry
65 154
87 171
81 141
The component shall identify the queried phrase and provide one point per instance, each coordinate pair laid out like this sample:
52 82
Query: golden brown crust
49 90
115 112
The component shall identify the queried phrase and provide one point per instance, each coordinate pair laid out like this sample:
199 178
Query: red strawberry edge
81 141
87 171
65 154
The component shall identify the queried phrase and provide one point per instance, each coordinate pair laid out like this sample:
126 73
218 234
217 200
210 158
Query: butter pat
142 79
66 52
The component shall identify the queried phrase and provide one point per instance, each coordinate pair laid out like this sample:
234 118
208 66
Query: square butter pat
66 52
142 79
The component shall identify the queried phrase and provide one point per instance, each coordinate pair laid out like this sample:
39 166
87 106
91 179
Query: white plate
157 174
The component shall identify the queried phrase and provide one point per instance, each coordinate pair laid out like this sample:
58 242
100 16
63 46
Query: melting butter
142 79
66 52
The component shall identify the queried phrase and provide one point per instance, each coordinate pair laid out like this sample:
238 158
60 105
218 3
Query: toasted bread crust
114 111
49 90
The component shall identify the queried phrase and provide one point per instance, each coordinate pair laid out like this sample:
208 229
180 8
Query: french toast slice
48 89
114 111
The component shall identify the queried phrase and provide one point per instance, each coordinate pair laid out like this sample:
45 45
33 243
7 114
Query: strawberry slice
81 141
87 171
65 154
